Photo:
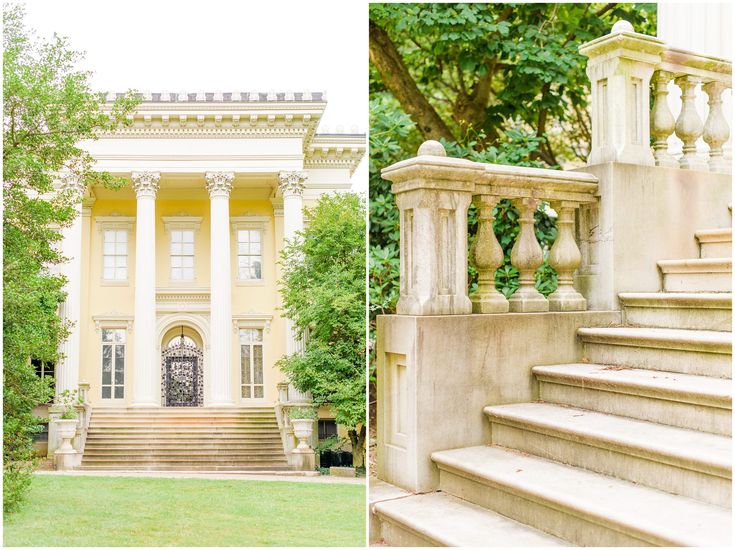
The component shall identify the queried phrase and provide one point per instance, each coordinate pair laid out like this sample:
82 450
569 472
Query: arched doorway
182 369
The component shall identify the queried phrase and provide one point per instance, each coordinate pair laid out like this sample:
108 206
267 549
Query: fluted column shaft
291 185
219 185
67 373
145 377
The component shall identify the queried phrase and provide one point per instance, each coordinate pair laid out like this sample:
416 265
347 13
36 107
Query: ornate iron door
181 376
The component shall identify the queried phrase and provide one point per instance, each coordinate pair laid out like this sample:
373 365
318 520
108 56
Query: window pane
255 236
246 392
106 335
243 261
109 236
121 261
107 364
175 248
176 273
108 248
187 248
119 364
121 273
108 261
187 261
188 273
245 364
106 392
119 392
188 236
122 236
120 335
257 335
255 248
243 248
109 274
121 248
175 261
176 236
258 364
258 391
242 237
257 274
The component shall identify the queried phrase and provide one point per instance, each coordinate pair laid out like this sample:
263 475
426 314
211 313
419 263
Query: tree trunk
389 63
357 439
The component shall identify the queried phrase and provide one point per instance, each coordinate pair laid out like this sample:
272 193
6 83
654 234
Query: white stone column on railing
67 372
219 186
527 256
716 129
291 185
689 124
565 258
663 122
433 193
145 365
488 257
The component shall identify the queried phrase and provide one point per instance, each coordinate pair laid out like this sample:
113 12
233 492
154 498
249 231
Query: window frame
114 345
115 223
260 322
250 223
182 222
251 355
181 255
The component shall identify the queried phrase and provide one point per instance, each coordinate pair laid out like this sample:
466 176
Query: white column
145 364
67 373
219 185
291 185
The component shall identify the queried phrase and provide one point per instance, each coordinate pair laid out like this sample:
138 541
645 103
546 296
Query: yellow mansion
173 279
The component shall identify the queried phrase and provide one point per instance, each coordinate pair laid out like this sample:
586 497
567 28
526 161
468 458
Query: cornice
230 96
335 151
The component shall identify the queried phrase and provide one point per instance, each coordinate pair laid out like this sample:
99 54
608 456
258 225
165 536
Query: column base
528 301
493 302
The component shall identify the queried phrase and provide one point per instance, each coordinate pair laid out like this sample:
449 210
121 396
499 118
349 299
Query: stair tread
600 498
696 265
691 449
670 338
706 300
688 388
450 521
707 234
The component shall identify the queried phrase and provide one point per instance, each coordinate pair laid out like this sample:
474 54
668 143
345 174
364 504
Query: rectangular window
45 370
115 255
182 255
249 259
251 363
327 429
113 363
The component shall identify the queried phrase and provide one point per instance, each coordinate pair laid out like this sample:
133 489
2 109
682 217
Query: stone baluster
662 121
689 125
527 257
565 258
716 129
488 257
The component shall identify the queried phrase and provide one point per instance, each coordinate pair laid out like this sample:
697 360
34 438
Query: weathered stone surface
341 471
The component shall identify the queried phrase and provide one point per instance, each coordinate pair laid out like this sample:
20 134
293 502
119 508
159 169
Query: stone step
582 507
688 310
190 439
210 459
182 425
700 275
178 429
684 462
194 452
698 352
438 519
682 400
185 414
715 243
174 446
185 410
276 469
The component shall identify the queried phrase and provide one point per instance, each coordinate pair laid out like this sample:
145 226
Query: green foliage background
509 86
48 108
323 291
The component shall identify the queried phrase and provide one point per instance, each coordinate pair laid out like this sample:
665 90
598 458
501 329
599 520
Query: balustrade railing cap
623 38
432 169
541 183
708 67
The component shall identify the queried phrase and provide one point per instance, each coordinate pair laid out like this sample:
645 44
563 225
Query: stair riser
544 515
683 361
398 535
698 282
621 463
190 468
685 318
701 417
715 250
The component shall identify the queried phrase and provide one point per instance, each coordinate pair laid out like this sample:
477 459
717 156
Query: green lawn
136 511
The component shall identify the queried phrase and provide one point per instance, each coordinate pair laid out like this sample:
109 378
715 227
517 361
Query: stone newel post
219 185
433 193
145 391
620 67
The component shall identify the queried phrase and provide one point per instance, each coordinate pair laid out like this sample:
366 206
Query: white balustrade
433 193
622 65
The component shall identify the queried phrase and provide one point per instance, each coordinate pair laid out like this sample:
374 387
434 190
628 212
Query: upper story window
182 254
249 254
115 255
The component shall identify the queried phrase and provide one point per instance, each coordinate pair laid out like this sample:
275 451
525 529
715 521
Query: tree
323 291
48 109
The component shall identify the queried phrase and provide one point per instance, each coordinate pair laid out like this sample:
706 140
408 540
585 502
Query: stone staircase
629 447
184 439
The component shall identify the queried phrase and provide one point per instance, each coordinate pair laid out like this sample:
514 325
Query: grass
136 511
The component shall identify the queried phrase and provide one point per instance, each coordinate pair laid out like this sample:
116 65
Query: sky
219 45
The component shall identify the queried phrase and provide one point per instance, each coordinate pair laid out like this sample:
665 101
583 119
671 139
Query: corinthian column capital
219 184
72 184
292 182
145 183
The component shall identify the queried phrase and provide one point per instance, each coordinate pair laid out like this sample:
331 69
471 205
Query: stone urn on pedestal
302 419
67 429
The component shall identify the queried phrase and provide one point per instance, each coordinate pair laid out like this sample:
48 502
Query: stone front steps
168 439
628 447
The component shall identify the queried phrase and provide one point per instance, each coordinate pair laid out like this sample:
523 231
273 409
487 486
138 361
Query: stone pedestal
303 460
